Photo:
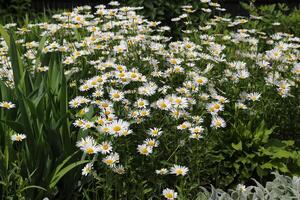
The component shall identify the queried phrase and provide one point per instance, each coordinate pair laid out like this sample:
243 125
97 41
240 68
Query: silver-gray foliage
281 188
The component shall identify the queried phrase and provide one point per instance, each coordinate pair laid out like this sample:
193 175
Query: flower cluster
140 92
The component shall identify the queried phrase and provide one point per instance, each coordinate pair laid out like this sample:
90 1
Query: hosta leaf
280 153
267 166
238 146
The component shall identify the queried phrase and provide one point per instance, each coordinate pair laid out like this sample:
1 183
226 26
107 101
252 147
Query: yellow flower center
178 101
179 171
6 105
169 195
89 150
163 105
109 161
133 75
105 146
200 81
18 138
173 61
116 95
117 128
144 151
217 106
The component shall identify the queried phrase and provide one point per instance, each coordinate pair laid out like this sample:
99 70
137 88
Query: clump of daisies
143 98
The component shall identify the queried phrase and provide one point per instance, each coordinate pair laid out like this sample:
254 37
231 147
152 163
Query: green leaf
6 157
288 142
39 51
65 170
280 153
238 146
16 126
267 165
5 35
60 166
33 187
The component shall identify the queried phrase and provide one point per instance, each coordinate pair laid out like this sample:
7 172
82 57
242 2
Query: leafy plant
282 187
14 9
42 115
247 153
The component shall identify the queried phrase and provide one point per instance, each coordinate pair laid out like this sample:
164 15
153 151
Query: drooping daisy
144 112
180 102
87 125
88 145
240 105
105 147
119 169
196 136
196 129
148 89
175 61
254 96
144 149
218 122
214 108
169 194
103 129
87 169
154 132
7 105
162 171
221 99
18 137
163 104
111 160
151 142
184 125
179 170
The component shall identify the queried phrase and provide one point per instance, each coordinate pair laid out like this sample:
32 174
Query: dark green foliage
14 9
42 115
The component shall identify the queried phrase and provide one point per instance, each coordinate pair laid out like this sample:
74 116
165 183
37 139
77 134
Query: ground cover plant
103 105
282 187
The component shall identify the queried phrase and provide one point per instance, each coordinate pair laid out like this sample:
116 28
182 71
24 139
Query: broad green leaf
65 170
267 165
60 166
288 142
238 146
16 126
16 62
281 153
